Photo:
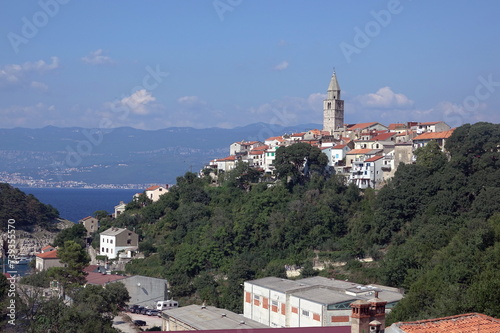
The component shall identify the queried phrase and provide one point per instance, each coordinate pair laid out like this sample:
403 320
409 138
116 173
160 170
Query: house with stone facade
47 258
90 223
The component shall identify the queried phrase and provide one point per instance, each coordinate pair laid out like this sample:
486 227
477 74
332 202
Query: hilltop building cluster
366 154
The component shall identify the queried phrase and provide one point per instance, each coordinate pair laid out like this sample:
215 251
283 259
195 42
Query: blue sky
226 63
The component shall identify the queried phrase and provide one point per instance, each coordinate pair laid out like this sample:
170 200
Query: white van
164 305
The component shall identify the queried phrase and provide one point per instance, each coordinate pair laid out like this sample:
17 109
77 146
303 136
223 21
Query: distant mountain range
122 155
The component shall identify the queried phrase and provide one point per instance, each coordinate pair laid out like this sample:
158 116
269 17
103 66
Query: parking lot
120 323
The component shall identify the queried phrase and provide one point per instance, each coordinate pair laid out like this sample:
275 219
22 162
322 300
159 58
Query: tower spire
333 87
333 106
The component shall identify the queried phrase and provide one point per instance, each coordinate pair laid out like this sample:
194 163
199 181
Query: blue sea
75 204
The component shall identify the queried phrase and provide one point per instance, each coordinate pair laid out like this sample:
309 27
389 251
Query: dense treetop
24 208
434 229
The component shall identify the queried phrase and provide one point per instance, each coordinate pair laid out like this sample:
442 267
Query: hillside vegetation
25 209
434 229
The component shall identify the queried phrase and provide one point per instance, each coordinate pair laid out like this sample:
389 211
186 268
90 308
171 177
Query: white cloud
31 116
138 102
385 98
13 75
282 66
40 86
315 101
289 111
190 100
97 58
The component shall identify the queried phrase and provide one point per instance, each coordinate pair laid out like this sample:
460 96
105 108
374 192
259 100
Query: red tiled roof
361 126
85 218
229 158
396 126
359 151
256 152
152 188
48 255
383 136
277 138
90 268
102 279
430 123
264 147
374 158
470 322
298 134
339 147
434 135
246 143
47 247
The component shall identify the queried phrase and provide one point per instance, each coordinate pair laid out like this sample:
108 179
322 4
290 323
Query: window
111 241
274 303
256 297
340 306
305 313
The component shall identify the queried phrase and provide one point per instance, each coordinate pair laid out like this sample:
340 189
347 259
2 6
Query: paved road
123 326
120 323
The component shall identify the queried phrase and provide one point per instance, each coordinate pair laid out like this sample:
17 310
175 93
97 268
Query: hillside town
366 154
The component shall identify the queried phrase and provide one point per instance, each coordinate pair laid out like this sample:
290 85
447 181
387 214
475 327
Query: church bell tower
333 107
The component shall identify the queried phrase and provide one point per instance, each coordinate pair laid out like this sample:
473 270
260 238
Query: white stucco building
155 192
115 240
368 172
309 302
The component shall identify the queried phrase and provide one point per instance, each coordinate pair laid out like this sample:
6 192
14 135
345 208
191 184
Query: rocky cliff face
31 243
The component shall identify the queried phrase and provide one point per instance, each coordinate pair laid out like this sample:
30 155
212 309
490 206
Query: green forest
25 209
434 229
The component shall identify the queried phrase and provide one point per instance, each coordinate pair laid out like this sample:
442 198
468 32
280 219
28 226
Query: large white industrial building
314 301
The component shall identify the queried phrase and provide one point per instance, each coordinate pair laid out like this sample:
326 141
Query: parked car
139 322
133 308
138 309
143 310
152 312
